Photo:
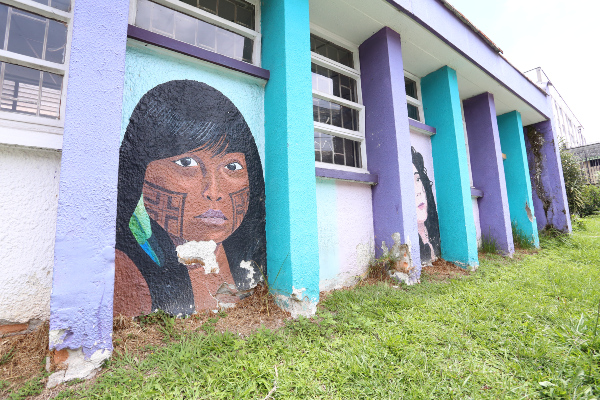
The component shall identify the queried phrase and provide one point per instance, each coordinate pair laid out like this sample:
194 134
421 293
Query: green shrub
574 180
590 196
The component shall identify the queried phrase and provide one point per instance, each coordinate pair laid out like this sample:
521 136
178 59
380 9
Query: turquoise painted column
516 171
292 238
441 104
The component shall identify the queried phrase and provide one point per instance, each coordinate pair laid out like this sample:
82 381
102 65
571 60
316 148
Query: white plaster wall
28 200
346 235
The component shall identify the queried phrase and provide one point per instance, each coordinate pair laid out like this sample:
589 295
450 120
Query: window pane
64 5
3 21
26 34
248 50
50 99
20 89
185 28
334 83
143 16
22 93
349 149
238 45
245 17
413 112
348 119
207 36
225 43
335 150
208 5
335 114
331 51
316 45
163 20
193 3
226 10
44 2
57 42
411 88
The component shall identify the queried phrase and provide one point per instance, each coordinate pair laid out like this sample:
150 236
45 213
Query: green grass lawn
515 329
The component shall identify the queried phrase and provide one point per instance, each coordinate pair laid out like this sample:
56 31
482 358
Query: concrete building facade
201 148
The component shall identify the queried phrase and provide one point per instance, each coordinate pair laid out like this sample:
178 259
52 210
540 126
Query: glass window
238 11
167 22
29 91
32 35
333 83
63 5
331 51
336 150
411 88
334 114
413 112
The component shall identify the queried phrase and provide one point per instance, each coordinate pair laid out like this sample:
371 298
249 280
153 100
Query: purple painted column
82 289
547 182
487 170
388 141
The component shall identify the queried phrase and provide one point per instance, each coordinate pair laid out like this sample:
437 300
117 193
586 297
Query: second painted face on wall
420 196
197 195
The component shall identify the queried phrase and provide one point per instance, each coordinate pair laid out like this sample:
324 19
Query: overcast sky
561 36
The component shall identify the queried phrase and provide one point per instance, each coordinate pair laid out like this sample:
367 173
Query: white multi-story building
570 130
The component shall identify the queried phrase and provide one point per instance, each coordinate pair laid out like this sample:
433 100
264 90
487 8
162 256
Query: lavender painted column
82 289
547 181
487 170
388 141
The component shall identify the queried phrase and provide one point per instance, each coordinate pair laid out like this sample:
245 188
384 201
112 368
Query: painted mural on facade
427 216
191 211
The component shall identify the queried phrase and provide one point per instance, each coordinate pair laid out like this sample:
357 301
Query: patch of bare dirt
442 271
255 311
22 357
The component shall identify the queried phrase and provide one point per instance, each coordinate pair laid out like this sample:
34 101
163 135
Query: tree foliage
574 180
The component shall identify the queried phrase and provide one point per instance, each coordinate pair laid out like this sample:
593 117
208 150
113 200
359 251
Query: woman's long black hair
171 119
431 223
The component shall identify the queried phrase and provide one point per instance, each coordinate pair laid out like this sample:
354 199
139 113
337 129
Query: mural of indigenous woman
191 211
427 216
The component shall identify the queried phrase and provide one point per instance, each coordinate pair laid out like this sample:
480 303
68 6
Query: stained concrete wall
28 200
345 220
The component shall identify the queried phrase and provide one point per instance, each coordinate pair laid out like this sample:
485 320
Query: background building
589 155
570 131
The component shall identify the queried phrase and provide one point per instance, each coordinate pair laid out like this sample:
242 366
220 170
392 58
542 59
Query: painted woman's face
420 196
198 196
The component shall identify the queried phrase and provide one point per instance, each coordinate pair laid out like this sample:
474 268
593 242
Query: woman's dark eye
186 162
234 166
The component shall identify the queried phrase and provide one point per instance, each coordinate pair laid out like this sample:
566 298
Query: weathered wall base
79 366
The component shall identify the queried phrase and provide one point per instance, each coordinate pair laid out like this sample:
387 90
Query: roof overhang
434 36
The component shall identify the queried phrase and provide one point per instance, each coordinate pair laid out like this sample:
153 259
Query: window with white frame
413 97
338 112
227 27
33 60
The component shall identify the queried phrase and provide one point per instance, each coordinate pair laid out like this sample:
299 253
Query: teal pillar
291 203
516 171
441 104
